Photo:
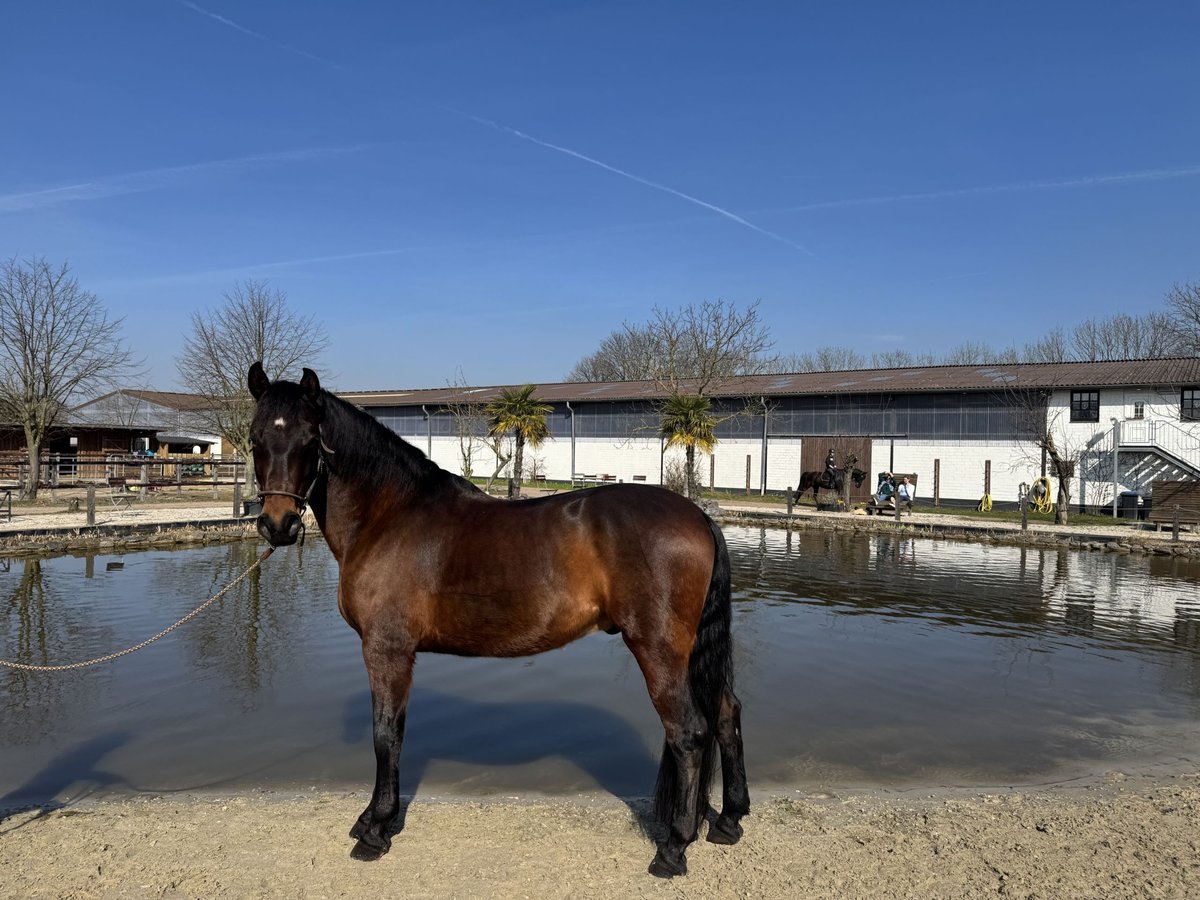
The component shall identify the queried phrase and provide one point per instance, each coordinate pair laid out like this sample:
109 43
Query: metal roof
1170 372
175 400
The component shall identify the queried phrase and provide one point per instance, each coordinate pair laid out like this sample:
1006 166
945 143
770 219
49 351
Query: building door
1136 427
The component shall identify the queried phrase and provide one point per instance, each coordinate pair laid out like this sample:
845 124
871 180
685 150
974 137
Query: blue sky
494 187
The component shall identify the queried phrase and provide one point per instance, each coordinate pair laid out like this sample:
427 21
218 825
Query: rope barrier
24 667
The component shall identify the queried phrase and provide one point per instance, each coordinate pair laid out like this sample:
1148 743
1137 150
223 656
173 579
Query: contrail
646 181
251 269
229 23
1085 181
526 137
149 179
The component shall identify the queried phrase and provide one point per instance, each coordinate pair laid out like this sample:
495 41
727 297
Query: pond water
861 661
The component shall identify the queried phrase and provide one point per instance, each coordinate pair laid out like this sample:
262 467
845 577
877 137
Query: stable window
1139 410
1189 405
1085 406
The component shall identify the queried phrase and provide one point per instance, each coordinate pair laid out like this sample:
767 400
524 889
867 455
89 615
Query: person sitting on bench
905 493
884 494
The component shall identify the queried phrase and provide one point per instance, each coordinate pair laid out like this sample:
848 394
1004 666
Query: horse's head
285 435
858 475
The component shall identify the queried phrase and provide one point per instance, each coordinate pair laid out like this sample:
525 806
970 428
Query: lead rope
111 656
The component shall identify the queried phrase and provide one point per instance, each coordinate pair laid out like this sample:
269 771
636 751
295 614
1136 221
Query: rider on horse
830 474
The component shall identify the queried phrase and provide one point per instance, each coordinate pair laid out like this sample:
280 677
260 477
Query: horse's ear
257 380
311 385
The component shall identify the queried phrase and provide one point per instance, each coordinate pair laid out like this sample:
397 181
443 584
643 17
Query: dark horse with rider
831 478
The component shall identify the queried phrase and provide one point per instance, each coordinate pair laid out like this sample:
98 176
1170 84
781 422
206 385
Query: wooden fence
80 470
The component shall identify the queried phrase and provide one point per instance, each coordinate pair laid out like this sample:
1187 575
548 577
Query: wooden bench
1174 501
889 508
639 477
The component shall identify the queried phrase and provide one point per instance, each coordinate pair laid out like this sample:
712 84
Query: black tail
710 674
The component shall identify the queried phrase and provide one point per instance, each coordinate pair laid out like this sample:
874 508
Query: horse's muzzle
281 533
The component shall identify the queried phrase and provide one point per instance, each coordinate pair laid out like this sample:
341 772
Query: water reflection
861 659
1112 599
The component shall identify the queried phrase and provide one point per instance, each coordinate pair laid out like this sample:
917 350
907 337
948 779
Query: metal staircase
1177 446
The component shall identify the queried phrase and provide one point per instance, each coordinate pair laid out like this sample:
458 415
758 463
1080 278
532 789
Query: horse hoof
365 852
724 832
661 867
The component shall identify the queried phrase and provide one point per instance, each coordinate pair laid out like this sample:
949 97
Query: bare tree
1036 425
971 353
702 343
625 355
471 426
823 359
1161 337
837 359
57 346
1183 319
252 324
1124 337
707 344
1051 348
902 359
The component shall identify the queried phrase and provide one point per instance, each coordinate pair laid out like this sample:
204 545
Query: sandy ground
1117 838
1123 836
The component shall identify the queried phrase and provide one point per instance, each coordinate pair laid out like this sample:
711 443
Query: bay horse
428 562
814 481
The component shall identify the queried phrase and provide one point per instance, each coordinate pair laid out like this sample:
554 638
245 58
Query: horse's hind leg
677 801
735 793
390 674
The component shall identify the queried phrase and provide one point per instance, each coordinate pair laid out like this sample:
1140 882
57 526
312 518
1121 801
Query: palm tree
517 412
688 422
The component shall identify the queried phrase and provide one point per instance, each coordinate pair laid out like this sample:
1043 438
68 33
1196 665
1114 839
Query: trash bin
1127 507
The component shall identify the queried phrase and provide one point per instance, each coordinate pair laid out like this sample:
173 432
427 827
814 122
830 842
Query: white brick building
963 430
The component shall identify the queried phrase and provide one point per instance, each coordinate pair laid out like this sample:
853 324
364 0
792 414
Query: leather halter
302 499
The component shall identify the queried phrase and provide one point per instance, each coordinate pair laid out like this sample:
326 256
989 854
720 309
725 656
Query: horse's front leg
389 669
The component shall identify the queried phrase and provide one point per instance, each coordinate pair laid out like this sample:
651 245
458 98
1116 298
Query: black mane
374 453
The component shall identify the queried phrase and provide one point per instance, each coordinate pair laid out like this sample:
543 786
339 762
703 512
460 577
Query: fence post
987 477
1175 524
712 472
790 499
747 474
144 478
937 482
179 479
237 499
215 466
91 505
1024 513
